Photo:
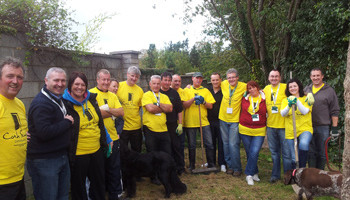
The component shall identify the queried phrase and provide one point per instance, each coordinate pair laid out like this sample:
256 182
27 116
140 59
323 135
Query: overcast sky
137 23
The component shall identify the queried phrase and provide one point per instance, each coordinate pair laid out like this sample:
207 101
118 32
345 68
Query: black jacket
76 125
50 134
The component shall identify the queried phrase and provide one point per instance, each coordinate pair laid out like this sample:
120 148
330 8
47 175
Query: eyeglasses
232 77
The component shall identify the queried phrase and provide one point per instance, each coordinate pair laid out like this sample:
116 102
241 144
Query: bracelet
204 102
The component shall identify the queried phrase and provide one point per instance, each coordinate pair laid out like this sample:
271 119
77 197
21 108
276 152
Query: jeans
216 136
317 150
252 146
113 172
303 144
50 177
231 143
275 139
207 140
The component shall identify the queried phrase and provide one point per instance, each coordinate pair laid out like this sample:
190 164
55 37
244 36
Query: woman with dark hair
88 139
252 128
295 96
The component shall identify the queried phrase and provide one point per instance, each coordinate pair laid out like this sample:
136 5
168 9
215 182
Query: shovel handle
295 137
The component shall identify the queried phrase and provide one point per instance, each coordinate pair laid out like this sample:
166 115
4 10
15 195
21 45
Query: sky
137 23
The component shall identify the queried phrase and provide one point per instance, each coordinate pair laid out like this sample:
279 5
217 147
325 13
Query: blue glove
200 99
197 102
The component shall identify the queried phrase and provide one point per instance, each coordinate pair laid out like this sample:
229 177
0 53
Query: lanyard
274 97
252 102
232 92
158 98
62 107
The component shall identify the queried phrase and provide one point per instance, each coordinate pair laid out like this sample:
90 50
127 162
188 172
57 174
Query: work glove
198 100
310 99
104 107
179 129
292 100
334 133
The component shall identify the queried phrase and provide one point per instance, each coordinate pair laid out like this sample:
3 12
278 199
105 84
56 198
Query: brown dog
315 182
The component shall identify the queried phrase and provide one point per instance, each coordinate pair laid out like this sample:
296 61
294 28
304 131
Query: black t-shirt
177 104
213 114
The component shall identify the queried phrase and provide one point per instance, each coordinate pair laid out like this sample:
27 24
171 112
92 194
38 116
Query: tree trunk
252 30
346 153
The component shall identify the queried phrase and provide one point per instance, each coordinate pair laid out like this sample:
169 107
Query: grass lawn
221 186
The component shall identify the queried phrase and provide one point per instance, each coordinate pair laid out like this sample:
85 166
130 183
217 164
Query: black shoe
273 180
155 181
139 179
180 171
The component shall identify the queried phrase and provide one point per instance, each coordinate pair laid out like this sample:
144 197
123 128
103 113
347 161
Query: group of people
72 135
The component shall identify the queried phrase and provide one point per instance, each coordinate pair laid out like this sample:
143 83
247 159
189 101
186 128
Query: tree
346 153
151 57
48 24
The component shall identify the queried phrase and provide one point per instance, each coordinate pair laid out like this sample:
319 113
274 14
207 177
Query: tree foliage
48 23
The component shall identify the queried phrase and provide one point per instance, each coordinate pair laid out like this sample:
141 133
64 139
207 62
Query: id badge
229 110
158 114
255 117
274 109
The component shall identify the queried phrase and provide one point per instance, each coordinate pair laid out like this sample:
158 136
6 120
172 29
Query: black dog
151 164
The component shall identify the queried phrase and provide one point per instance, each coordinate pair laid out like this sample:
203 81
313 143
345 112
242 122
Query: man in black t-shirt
213 117
174 120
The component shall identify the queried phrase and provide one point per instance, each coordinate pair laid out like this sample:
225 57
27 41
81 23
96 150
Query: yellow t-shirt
155 122
13 140
113 102
252 131
192 113
274 118
181 93
89 131
303 122
130 98
315 90
225 113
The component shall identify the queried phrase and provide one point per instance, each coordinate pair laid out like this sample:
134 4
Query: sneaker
237 173
256 177
229 171
223 168
205 165
250 180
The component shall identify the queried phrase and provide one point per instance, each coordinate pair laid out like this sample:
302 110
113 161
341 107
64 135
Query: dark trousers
114 185
89 166
216 136
134 137
175 146
157 141
13 191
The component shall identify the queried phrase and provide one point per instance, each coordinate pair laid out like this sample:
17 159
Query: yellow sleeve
148 99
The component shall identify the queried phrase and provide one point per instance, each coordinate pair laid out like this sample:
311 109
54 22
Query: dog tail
176 184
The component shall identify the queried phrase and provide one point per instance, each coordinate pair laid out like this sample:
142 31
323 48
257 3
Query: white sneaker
205 165
223 168
250 180
256 177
